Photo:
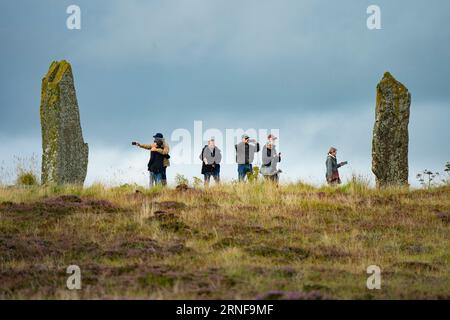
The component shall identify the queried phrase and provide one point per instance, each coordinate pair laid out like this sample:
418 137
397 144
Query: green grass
234 241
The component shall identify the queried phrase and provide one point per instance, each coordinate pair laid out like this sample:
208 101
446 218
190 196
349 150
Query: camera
134 143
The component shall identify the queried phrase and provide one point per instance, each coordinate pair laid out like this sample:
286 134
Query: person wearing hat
156 165
164 150
211 157
270 159
245 153
332 174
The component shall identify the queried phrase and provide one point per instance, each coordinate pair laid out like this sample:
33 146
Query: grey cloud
146 66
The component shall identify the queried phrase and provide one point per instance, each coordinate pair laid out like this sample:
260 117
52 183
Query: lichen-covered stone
390 133
65 155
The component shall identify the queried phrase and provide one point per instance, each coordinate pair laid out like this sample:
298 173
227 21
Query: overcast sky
306 68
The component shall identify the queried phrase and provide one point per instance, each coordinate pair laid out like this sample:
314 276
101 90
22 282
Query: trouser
164 177
334 182
243 169
273 177
215 174
155 178
334 179
209 175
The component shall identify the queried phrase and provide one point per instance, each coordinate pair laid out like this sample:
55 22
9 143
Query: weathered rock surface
390 133
65 155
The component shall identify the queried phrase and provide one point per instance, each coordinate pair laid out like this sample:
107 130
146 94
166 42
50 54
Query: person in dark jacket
161 146
164 150
156 165
245 153
211 157
332 174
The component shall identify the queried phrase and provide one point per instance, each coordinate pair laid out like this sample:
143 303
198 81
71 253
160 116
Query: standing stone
390 133
65 155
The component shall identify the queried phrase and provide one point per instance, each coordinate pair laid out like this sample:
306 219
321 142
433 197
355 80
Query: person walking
245 153
270 160
332 166
211 156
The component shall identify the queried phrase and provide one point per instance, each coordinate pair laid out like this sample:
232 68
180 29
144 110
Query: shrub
427 178
27 178
446 179
253 176
181 180
26 171
197 182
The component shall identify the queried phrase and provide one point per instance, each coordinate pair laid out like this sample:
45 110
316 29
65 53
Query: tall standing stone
390 133
65 155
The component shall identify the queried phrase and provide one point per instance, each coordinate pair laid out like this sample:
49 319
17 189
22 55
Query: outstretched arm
145 146
341 164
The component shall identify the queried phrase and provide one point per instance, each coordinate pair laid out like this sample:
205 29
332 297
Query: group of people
245 154
211 157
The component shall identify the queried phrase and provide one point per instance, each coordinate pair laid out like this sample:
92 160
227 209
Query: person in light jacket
332 174
270 160
245 154
211 157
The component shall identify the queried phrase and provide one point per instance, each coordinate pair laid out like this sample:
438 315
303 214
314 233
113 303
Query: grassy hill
236 241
